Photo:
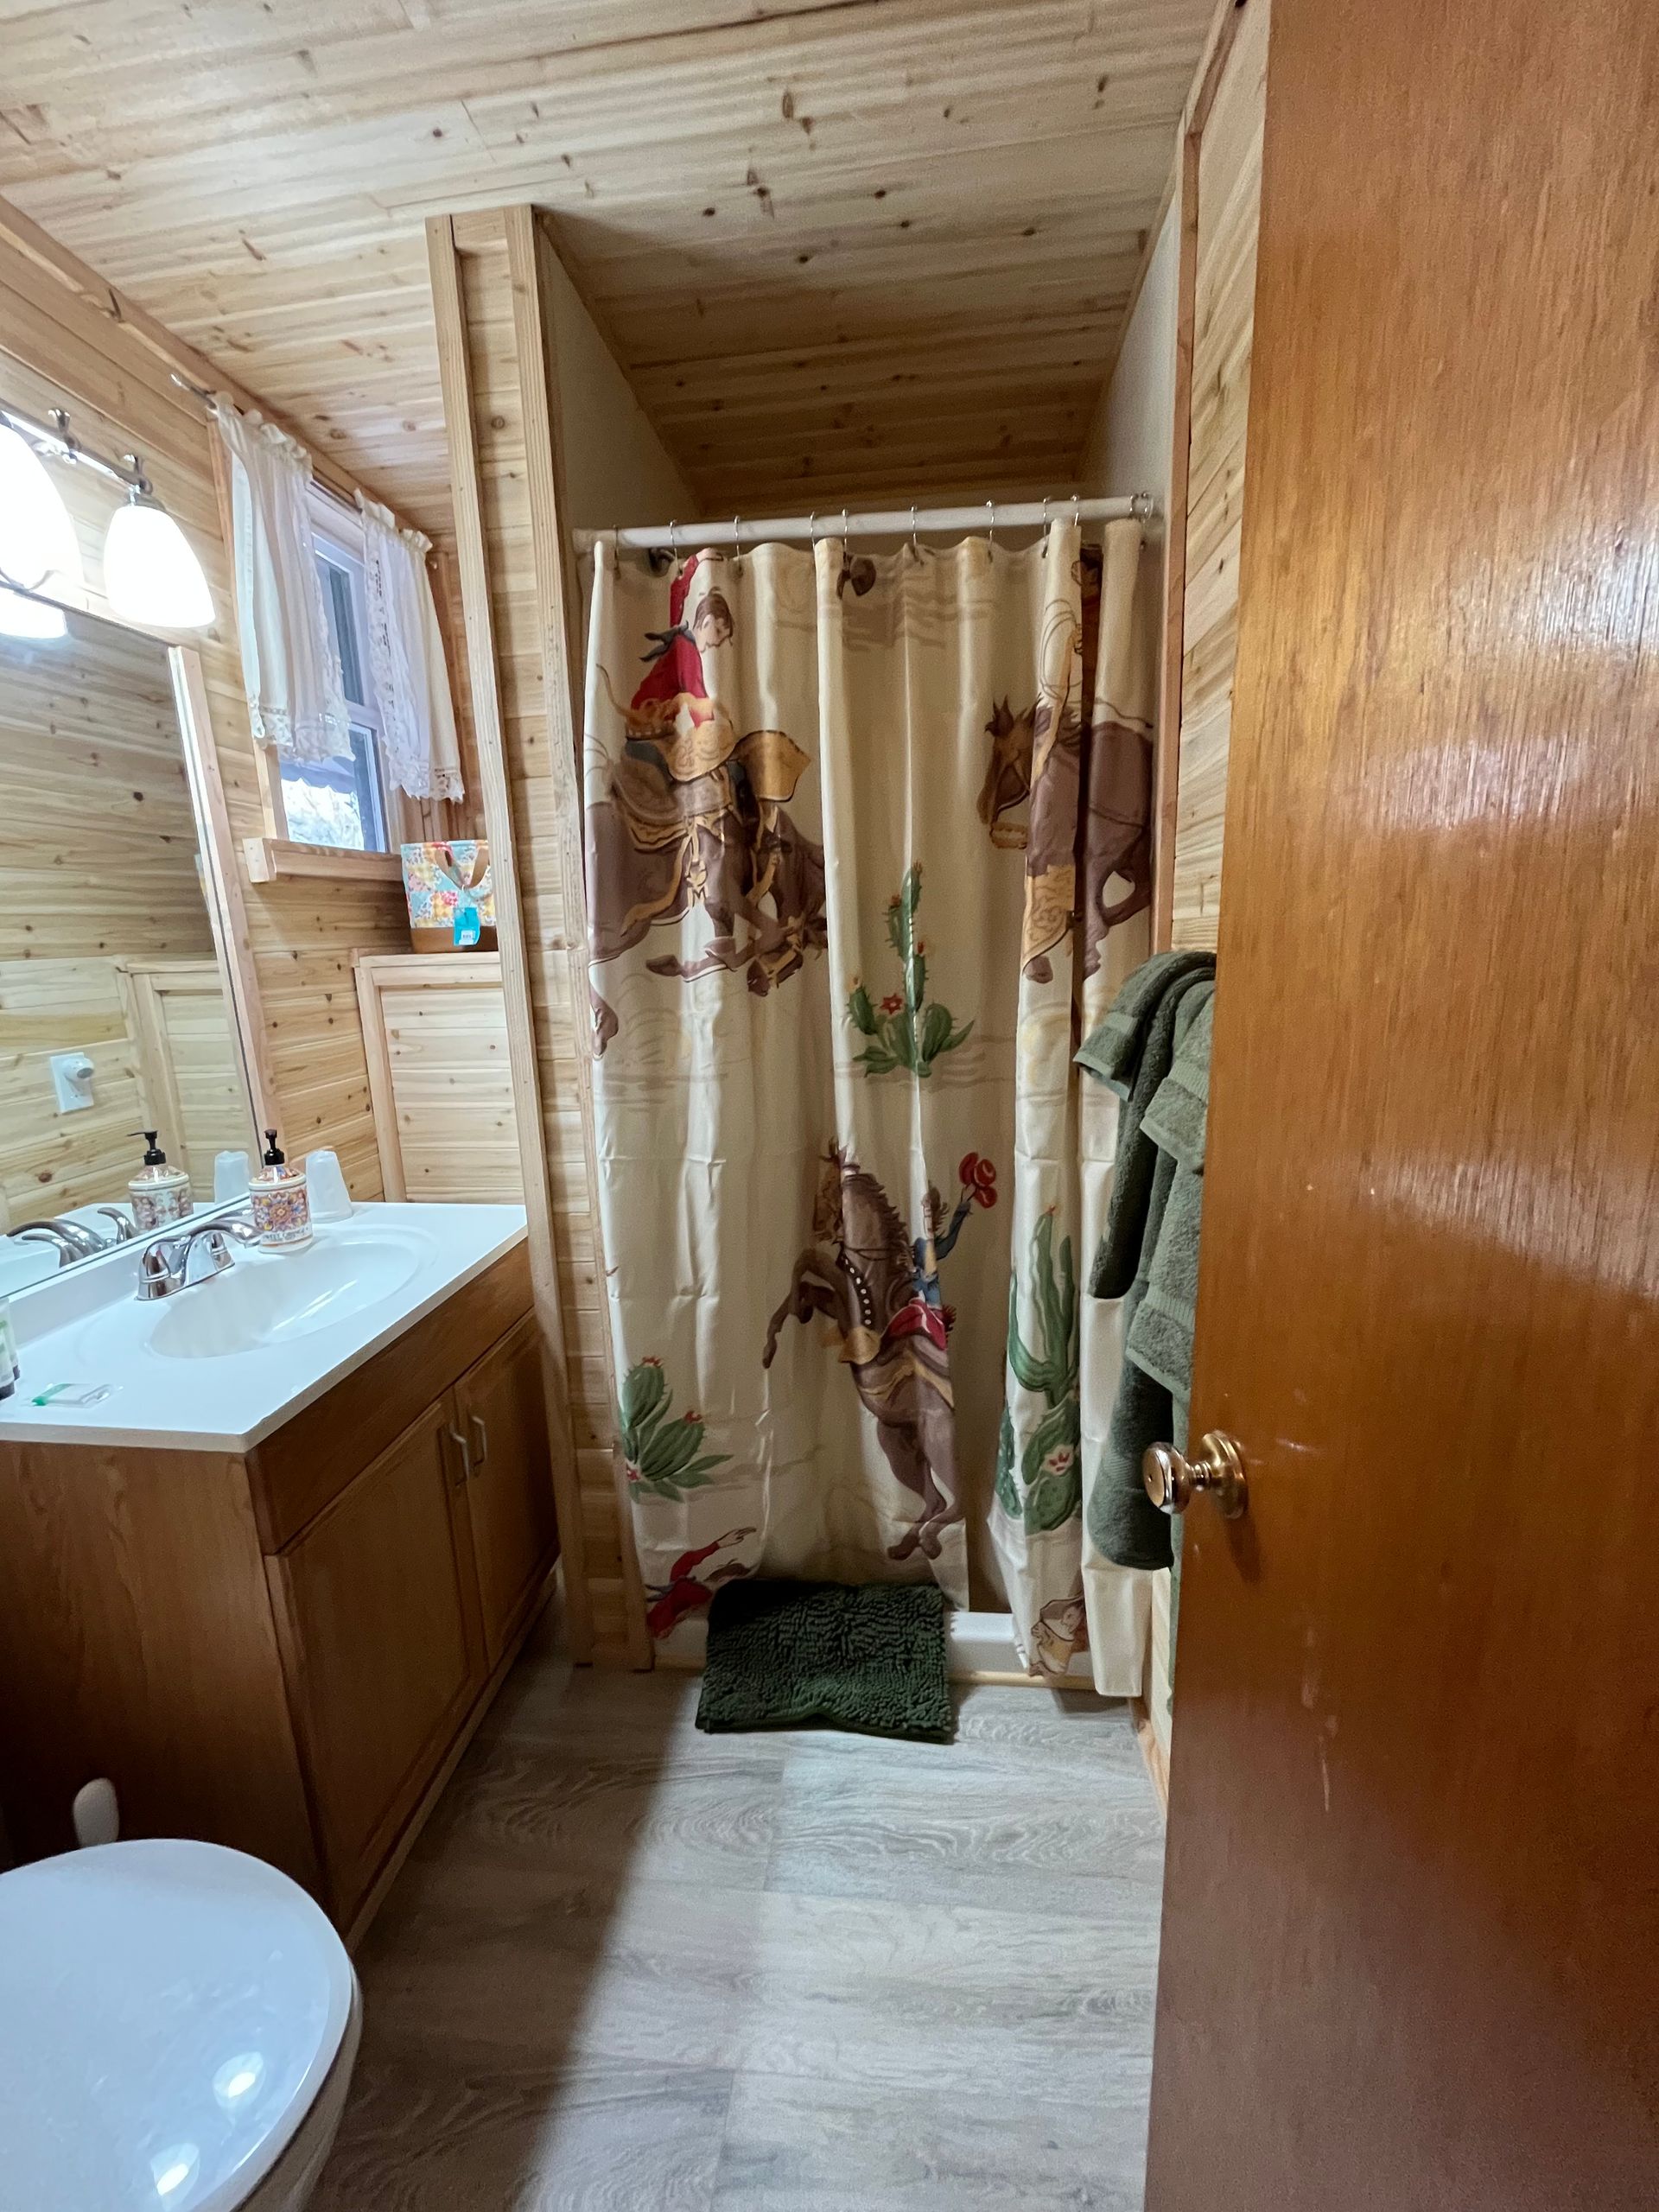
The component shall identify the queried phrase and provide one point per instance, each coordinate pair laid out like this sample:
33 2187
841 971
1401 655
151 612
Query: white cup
230 1175
326 1186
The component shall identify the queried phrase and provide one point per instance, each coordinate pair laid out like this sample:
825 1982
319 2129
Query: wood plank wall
97 862
1222 194
65 341
527 379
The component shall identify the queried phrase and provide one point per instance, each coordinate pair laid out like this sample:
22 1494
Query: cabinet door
378 1607
502 1413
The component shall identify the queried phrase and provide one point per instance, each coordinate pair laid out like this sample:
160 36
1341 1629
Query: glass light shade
150 575
37 540
30 618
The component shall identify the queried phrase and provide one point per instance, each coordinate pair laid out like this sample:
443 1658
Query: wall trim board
547 434
1218 51
472 556
559 603
227 907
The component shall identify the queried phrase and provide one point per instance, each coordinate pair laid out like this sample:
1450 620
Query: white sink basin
257 1342
274 1300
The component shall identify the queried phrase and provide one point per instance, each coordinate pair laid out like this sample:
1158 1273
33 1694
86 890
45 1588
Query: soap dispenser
281 1210
159 1194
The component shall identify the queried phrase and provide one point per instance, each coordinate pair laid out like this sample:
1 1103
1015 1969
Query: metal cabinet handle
481 1438
460 1443
1217 1468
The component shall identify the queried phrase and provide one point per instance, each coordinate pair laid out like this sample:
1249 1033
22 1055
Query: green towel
1113 1051
870 1658
1160 1337
1124 1525
1175 1120
1118 1260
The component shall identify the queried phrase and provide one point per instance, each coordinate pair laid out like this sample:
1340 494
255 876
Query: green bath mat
871 1659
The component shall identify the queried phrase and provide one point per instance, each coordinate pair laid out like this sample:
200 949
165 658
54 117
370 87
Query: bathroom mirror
114 1013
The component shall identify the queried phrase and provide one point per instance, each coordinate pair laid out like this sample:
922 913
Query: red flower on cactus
978 1174
893 1003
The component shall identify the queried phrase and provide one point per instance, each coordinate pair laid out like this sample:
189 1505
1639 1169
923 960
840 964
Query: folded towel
1124 1525
1112 1052
1118 1257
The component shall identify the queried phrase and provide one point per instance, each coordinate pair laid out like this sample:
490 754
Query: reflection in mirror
113 1016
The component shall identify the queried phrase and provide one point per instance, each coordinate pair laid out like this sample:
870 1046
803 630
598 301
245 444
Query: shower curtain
866 853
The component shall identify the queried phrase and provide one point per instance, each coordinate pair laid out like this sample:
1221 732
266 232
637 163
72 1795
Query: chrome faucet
73 1239
164 1269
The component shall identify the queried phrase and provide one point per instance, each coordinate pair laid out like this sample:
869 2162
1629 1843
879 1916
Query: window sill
274 860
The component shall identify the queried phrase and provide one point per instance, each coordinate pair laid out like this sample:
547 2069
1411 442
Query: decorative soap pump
159 1194
282 1210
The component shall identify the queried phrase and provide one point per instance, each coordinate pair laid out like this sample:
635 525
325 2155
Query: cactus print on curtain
844 1168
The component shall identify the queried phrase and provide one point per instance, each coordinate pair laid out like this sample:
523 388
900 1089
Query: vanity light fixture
37 540
23 616
151 575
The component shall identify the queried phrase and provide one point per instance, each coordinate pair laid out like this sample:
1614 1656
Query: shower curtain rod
894 522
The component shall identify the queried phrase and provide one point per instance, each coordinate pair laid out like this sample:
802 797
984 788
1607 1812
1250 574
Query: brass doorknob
1217 1469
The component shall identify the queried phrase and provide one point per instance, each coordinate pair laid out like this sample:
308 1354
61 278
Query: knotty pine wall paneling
1220 195
69 340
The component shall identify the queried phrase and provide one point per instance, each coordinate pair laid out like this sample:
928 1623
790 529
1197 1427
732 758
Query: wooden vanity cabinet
285 1651
378 1614
501 1437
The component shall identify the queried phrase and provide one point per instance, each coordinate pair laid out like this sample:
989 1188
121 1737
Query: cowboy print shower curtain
867 850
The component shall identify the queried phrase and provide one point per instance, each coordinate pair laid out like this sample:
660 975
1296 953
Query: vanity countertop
219 1366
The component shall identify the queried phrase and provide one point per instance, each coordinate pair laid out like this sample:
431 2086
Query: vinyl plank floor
629 1965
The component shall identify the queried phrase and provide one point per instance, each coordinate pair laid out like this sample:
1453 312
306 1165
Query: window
343 802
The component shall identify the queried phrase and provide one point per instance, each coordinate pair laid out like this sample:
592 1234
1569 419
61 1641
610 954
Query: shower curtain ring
914 547
990 524
843 525
737 537
673 537
812 527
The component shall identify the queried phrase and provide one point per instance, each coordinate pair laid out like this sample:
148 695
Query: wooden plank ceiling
846 249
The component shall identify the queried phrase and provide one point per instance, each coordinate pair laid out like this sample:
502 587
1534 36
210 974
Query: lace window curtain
290 671
418 720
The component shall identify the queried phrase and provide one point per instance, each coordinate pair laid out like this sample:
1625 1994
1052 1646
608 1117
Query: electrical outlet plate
71 1082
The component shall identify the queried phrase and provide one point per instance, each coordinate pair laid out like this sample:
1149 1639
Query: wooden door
379 1609
501 1411
1411 1928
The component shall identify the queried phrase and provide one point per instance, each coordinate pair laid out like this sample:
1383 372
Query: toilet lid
168 2013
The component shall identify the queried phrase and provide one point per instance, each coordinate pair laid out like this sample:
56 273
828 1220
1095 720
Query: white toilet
178 2024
